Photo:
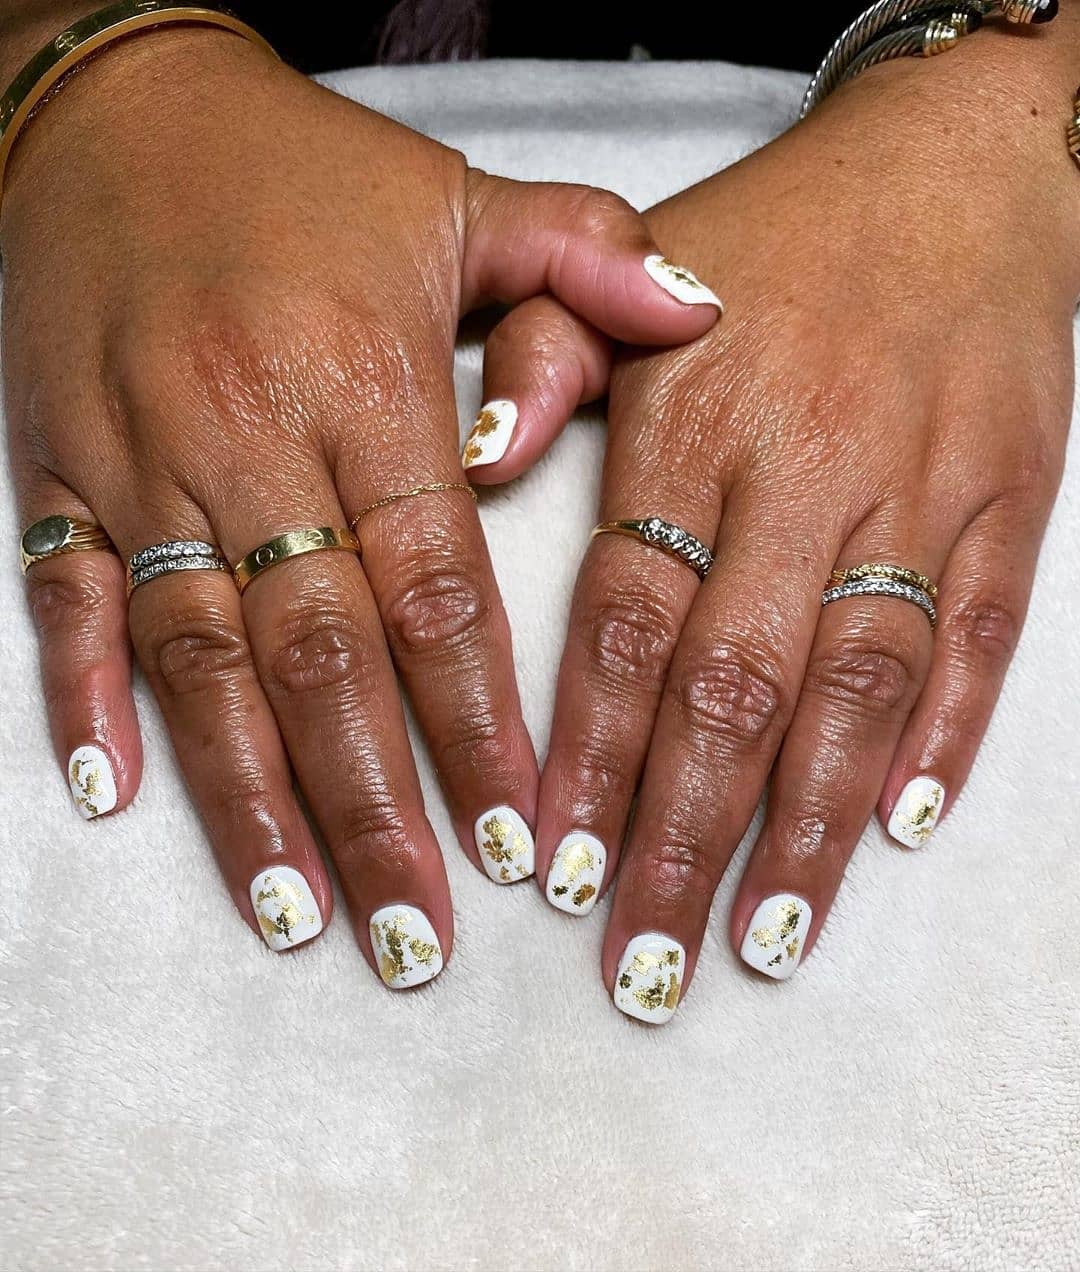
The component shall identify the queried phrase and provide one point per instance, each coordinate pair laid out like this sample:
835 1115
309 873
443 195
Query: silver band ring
170 557
876 586
669 538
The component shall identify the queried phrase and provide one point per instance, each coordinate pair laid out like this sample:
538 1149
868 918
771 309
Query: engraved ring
669 538
878 585
172 556
293 543
58 535
876 569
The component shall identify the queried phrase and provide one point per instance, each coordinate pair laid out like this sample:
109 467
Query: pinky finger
983 600
79 605
540 364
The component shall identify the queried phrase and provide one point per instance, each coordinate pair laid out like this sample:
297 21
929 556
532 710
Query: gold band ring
875 569
428 488
58 535
669 538
293 543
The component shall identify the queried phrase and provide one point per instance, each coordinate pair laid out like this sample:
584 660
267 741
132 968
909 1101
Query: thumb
540 363
587 247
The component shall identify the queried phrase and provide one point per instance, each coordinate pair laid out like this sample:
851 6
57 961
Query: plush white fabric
177 1097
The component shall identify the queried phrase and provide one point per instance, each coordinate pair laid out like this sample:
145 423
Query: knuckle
376 835
629 639
599 776
319 650
864 677
436 606
982 627
677 866
597 211
478 744
200 654
59 604
730 695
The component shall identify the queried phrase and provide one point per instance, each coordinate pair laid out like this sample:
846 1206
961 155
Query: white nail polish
680 283
577 871
285 906
916 812
650 977
406 946
777 933
92 782
490 435
505 845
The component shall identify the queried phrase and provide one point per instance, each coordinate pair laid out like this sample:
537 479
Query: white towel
177 1097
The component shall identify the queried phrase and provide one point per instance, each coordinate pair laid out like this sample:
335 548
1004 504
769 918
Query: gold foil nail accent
288 898
764 937
644 962
651 996
577 858
560 890
89 785
486 424
625 980
585 893
671 998
786 918
423 951
496 846
922 812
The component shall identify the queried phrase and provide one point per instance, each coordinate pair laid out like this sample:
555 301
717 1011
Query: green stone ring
58 535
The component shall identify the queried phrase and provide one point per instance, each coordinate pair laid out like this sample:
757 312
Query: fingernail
916 812
577 870
285 906
405 945
774 941
650 977
490 435
505 844
93 785
680 283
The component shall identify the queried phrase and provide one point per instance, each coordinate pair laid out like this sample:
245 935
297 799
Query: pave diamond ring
669 538
168 558
877 585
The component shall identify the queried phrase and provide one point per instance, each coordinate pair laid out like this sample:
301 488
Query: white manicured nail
650 977
490 435
285 906
93 785
916 812
577 870
680 283
405 945
777 933
505 844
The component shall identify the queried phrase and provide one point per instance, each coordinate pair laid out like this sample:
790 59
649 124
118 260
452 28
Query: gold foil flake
560 890
787 918
393 935
86 777
503 844
679 273
504 874
585 893
652 997
288 899
387 968
671 958
423 951
775 962
792 948
644 962
671 998
921 817
576 859
486 424
763 936
625 980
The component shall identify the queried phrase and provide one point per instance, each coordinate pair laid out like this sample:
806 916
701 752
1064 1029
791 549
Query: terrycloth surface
176 1097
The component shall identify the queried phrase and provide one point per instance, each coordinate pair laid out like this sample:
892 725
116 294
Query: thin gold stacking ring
427 488
877 570
293 543
57 535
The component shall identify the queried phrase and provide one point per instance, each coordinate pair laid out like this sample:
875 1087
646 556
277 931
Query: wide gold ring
58 535
877 570
293 543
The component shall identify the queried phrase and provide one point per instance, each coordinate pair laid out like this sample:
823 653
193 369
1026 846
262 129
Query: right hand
230 306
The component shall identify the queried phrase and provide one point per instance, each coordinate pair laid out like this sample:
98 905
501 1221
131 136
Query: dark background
316 35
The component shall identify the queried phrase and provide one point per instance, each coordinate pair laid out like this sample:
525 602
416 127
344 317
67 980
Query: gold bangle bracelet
73 45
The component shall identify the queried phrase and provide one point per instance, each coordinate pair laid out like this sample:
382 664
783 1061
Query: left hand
891 382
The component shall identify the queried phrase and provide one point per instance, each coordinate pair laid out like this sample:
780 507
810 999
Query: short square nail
916 812
681 283
776 936
490 435
92 782
406 947
577 871
285 907
650 976
505 845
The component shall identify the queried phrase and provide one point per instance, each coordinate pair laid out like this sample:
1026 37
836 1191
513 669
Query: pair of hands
264 340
